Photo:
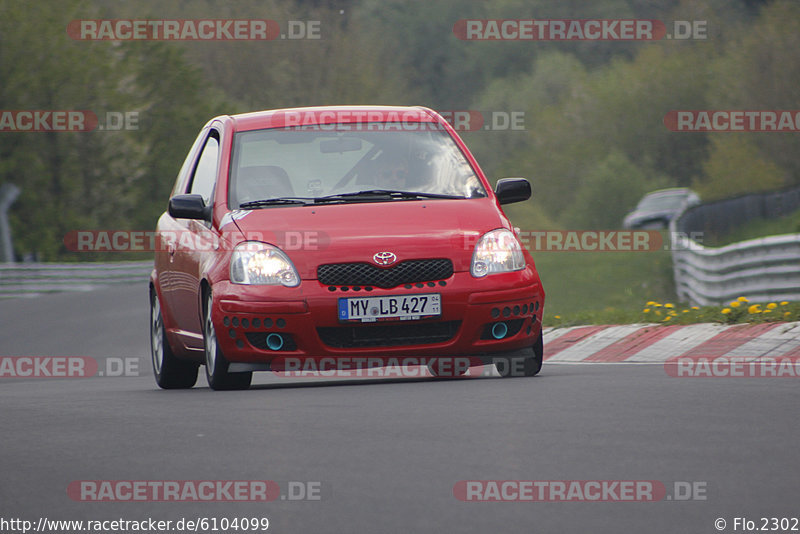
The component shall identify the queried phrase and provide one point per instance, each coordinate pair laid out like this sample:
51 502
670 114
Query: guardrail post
8 194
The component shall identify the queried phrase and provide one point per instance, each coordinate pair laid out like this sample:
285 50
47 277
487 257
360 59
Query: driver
392 174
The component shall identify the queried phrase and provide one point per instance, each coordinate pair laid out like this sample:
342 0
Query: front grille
365 274
389 335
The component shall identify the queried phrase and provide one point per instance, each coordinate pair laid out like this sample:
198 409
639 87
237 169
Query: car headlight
262 264
497 251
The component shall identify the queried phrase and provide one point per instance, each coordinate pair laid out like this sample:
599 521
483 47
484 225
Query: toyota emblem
384 258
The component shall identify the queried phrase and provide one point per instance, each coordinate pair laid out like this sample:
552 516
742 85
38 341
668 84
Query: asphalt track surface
386 452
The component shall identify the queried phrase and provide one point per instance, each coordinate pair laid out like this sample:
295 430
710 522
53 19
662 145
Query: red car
336 233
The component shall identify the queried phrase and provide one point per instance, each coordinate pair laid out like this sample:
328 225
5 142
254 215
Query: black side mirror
189 207
510 190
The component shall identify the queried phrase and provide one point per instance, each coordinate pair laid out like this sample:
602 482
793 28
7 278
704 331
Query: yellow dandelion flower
646 310
667 318
735 304
695 307
650 303
557 316
669 305
771 306
658 312
785 303
767 311
685 311
787 314
743 299
726 311
656 305
755 308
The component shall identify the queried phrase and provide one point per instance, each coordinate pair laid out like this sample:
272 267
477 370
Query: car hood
355 232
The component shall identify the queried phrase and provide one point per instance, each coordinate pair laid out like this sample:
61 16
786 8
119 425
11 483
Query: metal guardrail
764 269
34 279
8 194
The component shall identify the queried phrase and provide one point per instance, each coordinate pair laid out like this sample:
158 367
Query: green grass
610 287
672 313
756 228
617 288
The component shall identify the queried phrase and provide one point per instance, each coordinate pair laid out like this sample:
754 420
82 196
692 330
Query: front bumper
256 324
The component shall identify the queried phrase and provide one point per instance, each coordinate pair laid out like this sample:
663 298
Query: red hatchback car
338 232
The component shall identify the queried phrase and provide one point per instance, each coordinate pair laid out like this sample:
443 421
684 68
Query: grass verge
633 287
602 287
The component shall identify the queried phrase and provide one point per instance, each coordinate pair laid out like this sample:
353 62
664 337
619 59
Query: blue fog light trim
499 330
275 341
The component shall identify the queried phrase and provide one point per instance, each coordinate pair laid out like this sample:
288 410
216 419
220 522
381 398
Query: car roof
669 191
281 118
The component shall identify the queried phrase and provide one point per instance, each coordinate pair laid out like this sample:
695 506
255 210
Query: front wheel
216 365
170 372
521 364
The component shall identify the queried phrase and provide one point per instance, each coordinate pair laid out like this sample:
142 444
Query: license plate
402 307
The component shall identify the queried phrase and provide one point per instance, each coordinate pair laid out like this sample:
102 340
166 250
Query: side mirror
510 190
189 207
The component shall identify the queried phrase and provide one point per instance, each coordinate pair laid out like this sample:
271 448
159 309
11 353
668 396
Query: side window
183 174
205 175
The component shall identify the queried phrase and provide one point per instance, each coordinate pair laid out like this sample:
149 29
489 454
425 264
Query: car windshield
337 164
662 201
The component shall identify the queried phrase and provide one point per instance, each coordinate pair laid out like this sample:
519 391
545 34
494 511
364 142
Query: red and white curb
653 343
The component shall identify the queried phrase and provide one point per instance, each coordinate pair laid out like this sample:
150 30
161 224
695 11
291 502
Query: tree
610 191
96 179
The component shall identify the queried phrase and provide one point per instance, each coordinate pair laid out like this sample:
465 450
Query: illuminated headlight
497 251
258 263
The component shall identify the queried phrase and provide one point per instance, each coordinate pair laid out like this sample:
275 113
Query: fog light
499 330
275 341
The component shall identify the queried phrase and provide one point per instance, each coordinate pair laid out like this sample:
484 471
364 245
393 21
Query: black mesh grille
365 274
390 335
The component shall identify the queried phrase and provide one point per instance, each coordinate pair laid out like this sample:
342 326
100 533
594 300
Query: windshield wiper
277 201
357 196
378 194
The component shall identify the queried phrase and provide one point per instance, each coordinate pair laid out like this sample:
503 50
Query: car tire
520 364
216 365
170 372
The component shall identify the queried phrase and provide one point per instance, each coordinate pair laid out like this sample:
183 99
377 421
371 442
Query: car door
191 241
167 228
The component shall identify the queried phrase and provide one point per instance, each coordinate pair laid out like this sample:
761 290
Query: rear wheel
170 372
216 365
522 363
